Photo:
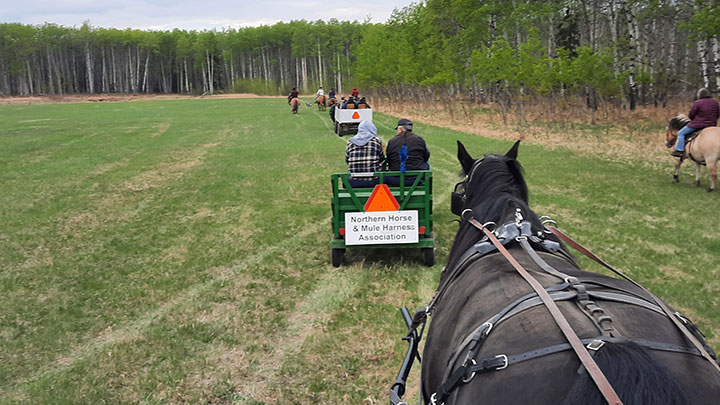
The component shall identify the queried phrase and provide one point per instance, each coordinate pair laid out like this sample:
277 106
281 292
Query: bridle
458 198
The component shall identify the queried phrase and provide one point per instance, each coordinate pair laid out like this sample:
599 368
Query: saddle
692 136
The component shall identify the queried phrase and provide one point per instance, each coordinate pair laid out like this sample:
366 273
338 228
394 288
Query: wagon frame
416 196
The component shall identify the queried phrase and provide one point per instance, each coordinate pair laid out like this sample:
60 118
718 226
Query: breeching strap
590 365
658 301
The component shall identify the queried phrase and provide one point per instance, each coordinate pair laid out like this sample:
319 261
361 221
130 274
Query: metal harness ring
547 220
467 380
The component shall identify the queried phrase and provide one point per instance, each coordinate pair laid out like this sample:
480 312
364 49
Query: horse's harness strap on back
557 292
502 361
682 323
585 358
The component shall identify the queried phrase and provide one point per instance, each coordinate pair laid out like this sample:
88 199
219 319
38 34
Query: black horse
486 318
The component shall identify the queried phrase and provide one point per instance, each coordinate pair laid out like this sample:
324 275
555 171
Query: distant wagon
346 120
387 216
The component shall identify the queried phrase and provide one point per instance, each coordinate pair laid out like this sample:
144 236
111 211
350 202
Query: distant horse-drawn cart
346 120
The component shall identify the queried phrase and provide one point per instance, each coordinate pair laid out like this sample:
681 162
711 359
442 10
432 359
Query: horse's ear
513 152
464 157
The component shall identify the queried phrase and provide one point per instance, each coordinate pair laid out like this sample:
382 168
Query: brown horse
320 100
703 149
294 103
331 102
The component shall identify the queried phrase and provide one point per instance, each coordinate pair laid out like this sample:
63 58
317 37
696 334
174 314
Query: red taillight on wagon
421 230
342 231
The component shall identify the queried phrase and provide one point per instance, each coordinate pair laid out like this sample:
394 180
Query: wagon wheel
428 256
337 256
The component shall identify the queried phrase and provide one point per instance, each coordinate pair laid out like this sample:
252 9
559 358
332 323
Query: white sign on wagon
381 227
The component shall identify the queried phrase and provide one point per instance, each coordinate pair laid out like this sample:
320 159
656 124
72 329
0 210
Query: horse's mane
678 121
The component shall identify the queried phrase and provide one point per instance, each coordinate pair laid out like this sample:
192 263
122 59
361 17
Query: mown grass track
178 251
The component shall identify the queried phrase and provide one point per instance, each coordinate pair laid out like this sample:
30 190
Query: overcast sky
191 14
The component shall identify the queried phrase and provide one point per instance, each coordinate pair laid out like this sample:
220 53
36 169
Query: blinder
457 198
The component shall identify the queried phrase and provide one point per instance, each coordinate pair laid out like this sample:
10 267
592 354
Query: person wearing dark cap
406 151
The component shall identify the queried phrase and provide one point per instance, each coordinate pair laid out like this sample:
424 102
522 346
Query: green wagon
410 226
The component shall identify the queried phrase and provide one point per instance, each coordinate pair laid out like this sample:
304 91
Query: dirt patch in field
100 98
627 136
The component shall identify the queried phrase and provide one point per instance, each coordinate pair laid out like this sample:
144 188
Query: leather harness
583 291
570 288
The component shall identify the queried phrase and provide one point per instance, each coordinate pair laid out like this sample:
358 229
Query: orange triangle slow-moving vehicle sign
355 115
381 199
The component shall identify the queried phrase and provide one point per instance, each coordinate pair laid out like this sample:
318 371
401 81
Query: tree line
505 51
52 59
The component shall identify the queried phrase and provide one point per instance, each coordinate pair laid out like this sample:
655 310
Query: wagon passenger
364 154
406 151
703 113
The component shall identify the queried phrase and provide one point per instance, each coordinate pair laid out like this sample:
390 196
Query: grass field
178 251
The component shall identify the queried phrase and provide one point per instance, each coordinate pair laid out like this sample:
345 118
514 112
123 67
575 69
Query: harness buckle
490 326
433 399
505 359
571 280
467 380
595 345
518 217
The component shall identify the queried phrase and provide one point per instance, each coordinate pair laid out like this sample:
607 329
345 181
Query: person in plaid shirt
364 154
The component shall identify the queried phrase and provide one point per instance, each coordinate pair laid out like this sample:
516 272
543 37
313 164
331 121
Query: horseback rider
319 93
703 113
293 94
332 93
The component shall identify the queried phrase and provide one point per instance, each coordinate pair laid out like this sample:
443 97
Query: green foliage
256 86
545 48
705 21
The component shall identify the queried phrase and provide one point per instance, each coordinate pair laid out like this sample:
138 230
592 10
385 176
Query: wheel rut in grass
133 330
